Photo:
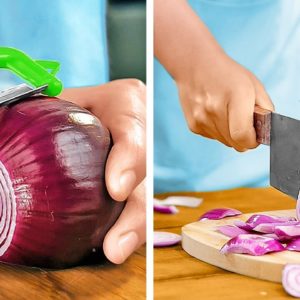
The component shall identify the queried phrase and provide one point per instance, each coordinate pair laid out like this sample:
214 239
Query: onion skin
54 201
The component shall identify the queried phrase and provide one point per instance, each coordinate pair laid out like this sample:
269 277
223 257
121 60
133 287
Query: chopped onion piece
291 279
219 213
252 244
255 220
287 231
165 209
293 245
273 236
231 230
180 201
270 227
243 225
165 239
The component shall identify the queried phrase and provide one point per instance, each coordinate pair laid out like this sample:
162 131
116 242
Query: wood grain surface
177 275
107 281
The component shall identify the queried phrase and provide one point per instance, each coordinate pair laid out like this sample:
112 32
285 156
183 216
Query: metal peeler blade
19 92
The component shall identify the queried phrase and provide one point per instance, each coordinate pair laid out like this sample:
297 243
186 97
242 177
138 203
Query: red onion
252 244
291 279
220 213
231 230
55 209
165 239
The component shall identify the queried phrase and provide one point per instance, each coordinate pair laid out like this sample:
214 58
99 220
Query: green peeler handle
34 72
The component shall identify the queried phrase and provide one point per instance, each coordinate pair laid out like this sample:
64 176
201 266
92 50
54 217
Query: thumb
129 232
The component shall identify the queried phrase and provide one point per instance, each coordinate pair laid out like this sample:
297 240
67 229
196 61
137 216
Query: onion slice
293 245
165 239
270 227
291 279
165 209
251 244
298 207
219 213
287 231
243 225
255 220
231 230
180 201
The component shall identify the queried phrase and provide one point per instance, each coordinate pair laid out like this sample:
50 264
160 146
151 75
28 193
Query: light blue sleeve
72 32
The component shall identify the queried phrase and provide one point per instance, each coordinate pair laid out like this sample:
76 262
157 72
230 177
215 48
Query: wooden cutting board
201 240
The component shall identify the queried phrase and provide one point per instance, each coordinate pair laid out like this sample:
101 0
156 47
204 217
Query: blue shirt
71 32
263 36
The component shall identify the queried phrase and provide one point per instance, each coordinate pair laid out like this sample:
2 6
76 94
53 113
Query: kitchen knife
283 135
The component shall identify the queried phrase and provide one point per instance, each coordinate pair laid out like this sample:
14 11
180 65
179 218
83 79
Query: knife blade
283 135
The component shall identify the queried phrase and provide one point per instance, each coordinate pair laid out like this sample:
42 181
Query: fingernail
128 243
127 182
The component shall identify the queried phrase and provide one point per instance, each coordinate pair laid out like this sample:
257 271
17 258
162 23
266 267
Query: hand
217 94
218 100
121 107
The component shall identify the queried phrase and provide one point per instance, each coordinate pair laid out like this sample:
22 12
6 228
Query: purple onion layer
251 244
219 213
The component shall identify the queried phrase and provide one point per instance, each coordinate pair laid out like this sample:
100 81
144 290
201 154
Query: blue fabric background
70 31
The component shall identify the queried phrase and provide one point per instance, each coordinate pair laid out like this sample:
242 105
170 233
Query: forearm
181 38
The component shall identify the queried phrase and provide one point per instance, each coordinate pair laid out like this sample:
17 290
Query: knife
282 134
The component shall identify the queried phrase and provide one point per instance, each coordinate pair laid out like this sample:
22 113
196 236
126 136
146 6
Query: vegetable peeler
35 72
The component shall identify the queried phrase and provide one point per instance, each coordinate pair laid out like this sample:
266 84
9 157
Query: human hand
218 100
121 107
217 94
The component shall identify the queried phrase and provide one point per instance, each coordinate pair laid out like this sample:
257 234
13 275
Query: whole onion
54 206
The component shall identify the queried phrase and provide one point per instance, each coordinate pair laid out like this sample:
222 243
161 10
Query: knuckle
195 121
240 135
137 85
211 106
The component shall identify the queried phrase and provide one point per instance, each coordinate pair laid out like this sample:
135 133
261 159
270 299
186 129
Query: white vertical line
149 149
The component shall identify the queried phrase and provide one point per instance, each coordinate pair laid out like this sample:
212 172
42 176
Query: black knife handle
262 125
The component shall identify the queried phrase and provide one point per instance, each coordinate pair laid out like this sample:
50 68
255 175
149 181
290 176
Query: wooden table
180 276
127 281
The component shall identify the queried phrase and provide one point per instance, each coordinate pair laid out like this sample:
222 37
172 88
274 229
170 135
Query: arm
121 107
217 94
